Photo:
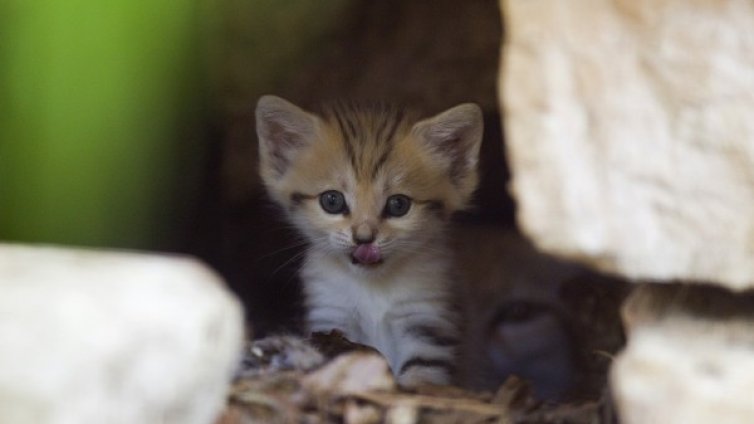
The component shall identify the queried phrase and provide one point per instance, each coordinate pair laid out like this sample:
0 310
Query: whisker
288 262
290 247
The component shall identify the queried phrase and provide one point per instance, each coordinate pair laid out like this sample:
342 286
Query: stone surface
630 133
689 359
93 337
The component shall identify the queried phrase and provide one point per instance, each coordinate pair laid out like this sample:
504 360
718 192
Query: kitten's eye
397 205
333 202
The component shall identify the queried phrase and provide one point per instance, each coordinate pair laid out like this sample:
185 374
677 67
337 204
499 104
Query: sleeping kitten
515 323
372 190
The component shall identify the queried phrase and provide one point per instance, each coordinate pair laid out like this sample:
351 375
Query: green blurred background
107 109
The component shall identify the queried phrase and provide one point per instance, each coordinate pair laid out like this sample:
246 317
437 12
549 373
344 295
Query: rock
629 132
689 359
350 373
105 337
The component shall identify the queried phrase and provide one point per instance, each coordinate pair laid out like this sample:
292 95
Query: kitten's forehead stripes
380 163
391 122
368 133
347 136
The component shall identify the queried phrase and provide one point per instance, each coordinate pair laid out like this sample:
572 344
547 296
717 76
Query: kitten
551 322
372 190
515 323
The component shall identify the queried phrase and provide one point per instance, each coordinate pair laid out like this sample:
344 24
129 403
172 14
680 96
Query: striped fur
399 304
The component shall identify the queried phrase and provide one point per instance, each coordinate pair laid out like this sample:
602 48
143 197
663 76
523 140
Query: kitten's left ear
454 137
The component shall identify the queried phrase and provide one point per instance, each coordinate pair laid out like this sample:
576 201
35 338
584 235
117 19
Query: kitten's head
368 184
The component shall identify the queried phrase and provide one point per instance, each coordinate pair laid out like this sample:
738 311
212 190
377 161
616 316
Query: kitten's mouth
367 255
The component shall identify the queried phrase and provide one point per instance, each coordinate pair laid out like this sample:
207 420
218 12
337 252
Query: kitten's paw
334 343
280 353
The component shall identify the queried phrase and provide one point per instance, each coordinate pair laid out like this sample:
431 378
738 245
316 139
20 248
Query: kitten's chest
376 312
364 308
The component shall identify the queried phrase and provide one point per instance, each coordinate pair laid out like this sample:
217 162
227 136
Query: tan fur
413 167
398 304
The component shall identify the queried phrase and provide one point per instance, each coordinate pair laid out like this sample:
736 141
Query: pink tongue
367 254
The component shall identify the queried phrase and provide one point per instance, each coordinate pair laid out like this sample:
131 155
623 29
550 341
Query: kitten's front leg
427 365
326 318
425 348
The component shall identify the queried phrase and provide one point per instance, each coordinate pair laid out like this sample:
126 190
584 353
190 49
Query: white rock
689 358
93 337
630 133
685 374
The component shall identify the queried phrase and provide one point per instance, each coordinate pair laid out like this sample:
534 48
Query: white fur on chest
371 307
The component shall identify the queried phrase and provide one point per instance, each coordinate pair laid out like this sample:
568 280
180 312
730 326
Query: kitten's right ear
283 130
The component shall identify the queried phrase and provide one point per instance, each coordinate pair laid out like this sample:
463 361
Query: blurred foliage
95 97
103 107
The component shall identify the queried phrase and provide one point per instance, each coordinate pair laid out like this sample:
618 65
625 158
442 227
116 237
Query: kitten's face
394 209
365 186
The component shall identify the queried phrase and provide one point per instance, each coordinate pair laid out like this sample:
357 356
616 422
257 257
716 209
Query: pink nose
367 254
363 234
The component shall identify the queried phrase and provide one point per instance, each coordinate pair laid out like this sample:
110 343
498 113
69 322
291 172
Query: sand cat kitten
372 191
548 321
515 323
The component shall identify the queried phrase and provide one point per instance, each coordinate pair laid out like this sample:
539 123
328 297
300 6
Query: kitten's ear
454 137
283 130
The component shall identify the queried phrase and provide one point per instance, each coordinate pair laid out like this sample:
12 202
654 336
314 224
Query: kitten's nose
364 234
